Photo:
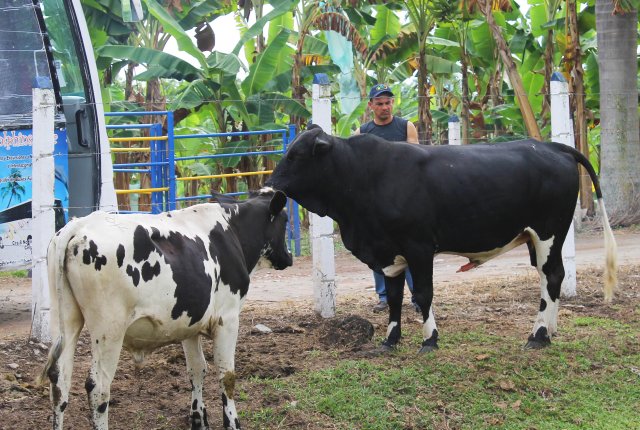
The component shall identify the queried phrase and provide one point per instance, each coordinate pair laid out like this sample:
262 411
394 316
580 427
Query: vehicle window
64 51
22 58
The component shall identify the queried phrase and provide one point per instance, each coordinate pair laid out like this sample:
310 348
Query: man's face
382 108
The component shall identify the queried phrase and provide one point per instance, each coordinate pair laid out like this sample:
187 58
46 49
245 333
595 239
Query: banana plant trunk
512 71
579 120
424 103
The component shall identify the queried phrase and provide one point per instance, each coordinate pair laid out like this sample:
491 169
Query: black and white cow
144 281
399 205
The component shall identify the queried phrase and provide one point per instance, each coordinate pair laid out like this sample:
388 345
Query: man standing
394 129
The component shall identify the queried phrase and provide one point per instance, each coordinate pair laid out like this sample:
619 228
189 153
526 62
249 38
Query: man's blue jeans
381 289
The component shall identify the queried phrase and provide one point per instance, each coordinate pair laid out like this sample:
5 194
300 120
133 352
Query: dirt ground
502 296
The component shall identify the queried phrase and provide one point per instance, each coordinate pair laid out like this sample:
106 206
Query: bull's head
304 169
275 250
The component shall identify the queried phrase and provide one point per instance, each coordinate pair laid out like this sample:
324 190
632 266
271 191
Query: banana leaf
160 64
263 69
280 7
171 26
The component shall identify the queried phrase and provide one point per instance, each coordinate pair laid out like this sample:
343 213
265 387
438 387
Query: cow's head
275 249
305 168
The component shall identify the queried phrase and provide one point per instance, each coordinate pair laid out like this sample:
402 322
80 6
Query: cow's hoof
534 344
538 341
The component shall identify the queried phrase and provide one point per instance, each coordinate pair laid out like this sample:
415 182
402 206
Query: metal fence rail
162 165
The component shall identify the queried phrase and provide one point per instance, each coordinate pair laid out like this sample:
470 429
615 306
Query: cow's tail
611 249
56 254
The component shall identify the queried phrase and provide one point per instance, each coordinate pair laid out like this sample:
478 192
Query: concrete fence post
562 132
321 228
42 201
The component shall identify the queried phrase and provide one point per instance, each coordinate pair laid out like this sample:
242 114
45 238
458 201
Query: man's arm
412 133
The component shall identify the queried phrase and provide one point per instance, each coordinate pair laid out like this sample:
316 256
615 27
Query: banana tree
486 7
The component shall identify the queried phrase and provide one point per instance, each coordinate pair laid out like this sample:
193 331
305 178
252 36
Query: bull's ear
312 126
277 202
322 145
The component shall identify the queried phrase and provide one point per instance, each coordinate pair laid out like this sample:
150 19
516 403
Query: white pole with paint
562 132
321 228
43 216
454 130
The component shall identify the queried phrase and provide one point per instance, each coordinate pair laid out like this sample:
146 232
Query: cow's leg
105 353
548 258
196 369
224 349
395 292
423 293
62 367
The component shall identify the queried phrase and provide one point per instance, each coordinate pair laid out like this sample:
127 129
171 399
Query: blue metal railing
162 165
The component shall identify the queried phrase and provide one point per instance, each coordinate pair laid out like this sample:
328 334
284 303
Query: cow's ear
321 145
277 202
312 126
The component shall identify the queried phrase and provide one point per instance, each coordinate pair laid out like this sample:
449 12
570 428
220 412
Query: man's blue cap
380 90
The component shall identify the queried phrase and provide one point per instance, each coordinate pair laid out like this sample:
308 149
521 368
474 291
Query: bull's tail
611 249
56 255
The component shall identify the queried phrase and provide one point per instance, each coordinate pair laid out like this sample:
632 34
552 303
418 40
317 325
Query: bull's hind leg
196 369
224 349
547 255
105 353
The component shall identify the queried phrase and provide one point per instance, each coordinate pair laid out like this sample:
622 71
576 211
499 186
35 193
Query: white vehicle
48 41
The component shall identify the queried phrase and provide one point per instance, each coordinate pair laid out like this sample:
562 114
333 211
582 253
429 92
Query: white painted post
454 130
562 132
321 228
43 216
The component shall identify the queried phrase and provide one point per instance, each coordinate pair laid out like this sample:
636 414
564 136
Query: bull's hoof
538 341
429 345
386 347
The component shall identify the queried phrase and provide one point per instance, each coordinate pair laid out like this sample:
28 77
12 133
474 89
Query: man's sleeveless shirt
395 131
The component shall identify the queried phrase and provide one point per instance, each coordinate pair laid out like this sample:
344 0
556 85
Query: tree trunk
512 71
464 114
620 143
424 102
576 85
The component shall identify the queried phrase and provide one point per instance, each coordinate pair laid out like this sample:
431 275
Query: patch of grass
475 381
15 274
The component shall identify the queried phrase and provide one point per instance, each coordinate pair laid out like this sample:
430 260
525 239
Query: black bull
399 205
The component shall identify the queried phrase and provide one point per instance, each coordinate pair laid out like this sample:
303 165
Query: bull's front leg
224 349
423 293
196 369
395 292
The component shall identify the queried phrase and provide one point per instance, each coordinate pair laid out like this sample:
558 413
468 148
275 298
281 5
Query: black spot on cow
194 405
168 215
148 272
134 274
91 255
103 407
89 384
196 421
186 258
227 251
142 244
120 255
53 373
63 406
75 250
543 305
